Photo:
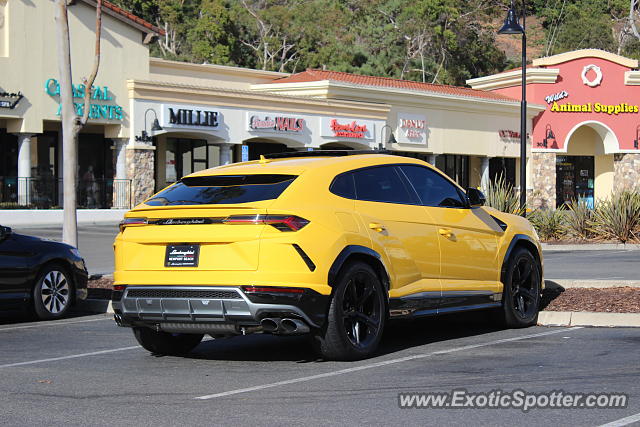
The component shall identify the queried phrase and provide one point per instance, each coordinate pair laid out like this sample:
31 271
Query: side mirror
476 198
5 232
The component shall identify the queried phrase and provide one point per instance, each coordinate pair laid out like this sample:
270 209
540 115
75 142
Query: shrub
579 219
501 196
549 224
618 217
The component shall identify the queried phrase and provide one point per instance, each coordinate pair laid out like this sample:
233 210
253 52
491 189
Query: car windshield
227 189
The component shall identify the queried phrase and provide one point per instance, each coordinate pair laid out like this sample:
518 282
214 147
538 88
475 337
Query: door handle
377 227
445 232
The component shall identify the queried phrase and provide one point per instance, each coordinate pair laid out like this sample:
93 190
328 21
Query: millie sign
187 117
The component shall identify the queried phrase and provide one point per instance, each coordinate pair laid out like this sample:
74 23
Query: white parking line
623 421
73 356
54 323
378 364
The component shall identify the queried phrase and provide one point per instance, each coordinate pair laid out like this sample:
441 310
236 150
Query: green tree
213 37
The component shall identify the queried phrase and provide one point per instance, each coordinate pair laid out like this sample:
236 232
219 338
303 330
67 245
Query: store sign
509 134
189 116
261 122
590 107
99 110
412 128
556 96
10 100
347 128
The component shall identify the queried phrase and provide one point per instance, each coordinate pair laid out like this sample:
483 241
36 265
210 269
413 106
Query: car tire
166 343
356 316
522 288
53 292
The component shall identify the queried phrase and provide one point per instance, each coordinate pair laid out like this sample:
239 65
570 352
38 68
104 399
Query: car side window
432 188
381 184
343 186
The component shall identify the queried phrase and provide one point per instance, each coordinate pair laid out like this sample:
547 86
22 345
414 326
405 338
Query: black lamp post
511 26
390 140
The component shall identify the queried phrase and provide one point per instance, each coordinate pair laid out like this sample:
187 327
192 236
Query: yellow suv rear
330 244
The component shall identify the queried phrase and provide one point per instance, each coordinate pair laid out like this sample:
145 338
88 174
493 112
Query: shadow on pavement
399 335
24 316
551 291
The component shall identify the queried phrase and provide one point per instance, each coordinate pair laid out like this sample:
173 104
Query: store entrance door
574 179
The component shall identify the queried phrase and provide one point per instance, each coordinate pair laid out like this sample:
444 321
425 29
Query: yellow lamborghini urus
330 244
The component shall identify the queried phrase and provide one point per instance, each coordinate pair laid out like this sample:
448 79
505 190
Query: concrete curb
584 318
591 247
577 283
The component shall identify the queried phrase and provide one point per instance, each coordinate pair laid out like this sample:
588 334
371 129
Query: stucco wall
31 59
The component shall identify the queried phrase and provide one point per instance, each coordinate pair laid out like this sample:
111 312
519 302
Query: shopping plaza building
208 115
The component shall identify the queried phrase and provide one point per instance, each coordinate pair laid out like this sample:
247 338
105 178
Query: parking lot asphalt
88 371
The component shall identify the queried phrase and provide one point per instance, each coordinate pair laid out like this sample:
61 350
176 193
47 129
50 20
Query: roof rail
324 153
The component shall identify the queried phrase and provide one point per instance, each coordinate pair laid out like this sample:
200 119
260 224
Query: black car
42 275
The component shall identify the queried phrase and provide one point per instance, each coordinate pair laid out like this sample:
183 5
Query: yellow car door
401 231
468 240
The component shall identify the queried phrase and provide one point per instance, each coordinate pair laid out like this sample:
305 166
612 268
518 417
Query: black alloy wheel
356 315
522 287
165 343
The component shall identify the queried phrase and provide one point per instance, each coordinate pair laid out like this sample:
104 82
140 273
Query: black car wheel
52 294
522 287
356 315
166 343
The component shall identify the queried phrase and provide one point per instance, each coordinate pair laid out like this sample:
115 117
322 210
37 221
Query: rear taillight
119 287
281 222
271 290
132 221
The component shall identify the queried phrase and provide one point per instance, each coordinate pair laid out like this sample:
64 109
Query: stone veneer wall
140 169
543 174
626 168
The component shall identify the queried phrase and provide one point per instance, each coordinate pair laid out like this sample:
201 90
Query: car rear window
227 189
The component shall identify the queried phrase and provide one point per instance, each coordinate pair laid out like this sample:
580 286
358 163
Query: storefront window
575 179
455 166
184 156
503 167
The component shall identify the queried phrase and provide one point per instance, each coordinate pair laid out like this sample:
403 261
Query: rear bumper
209 309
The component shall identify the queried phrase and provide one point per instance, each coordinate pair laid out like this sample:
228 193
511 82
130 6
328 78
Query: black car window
343 186
381 184
432 188
212 190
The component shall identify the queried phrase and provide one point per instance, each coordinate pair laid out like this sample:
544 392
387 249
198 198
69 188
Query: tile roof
131 17
312 75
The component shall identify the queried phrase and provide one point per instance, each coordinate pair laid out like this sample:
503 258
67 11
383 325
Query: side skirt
434 303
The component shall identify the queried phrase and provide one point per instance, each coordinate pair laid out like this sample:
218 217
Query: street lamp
511 26
155 126
390 140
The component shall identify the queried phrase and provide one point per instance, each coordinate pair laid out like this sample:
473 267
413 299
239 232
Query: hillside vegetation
435 41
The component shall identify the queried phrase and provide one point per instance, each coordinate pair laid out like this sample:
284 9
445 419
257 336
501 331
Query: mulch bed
601 300
100 288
